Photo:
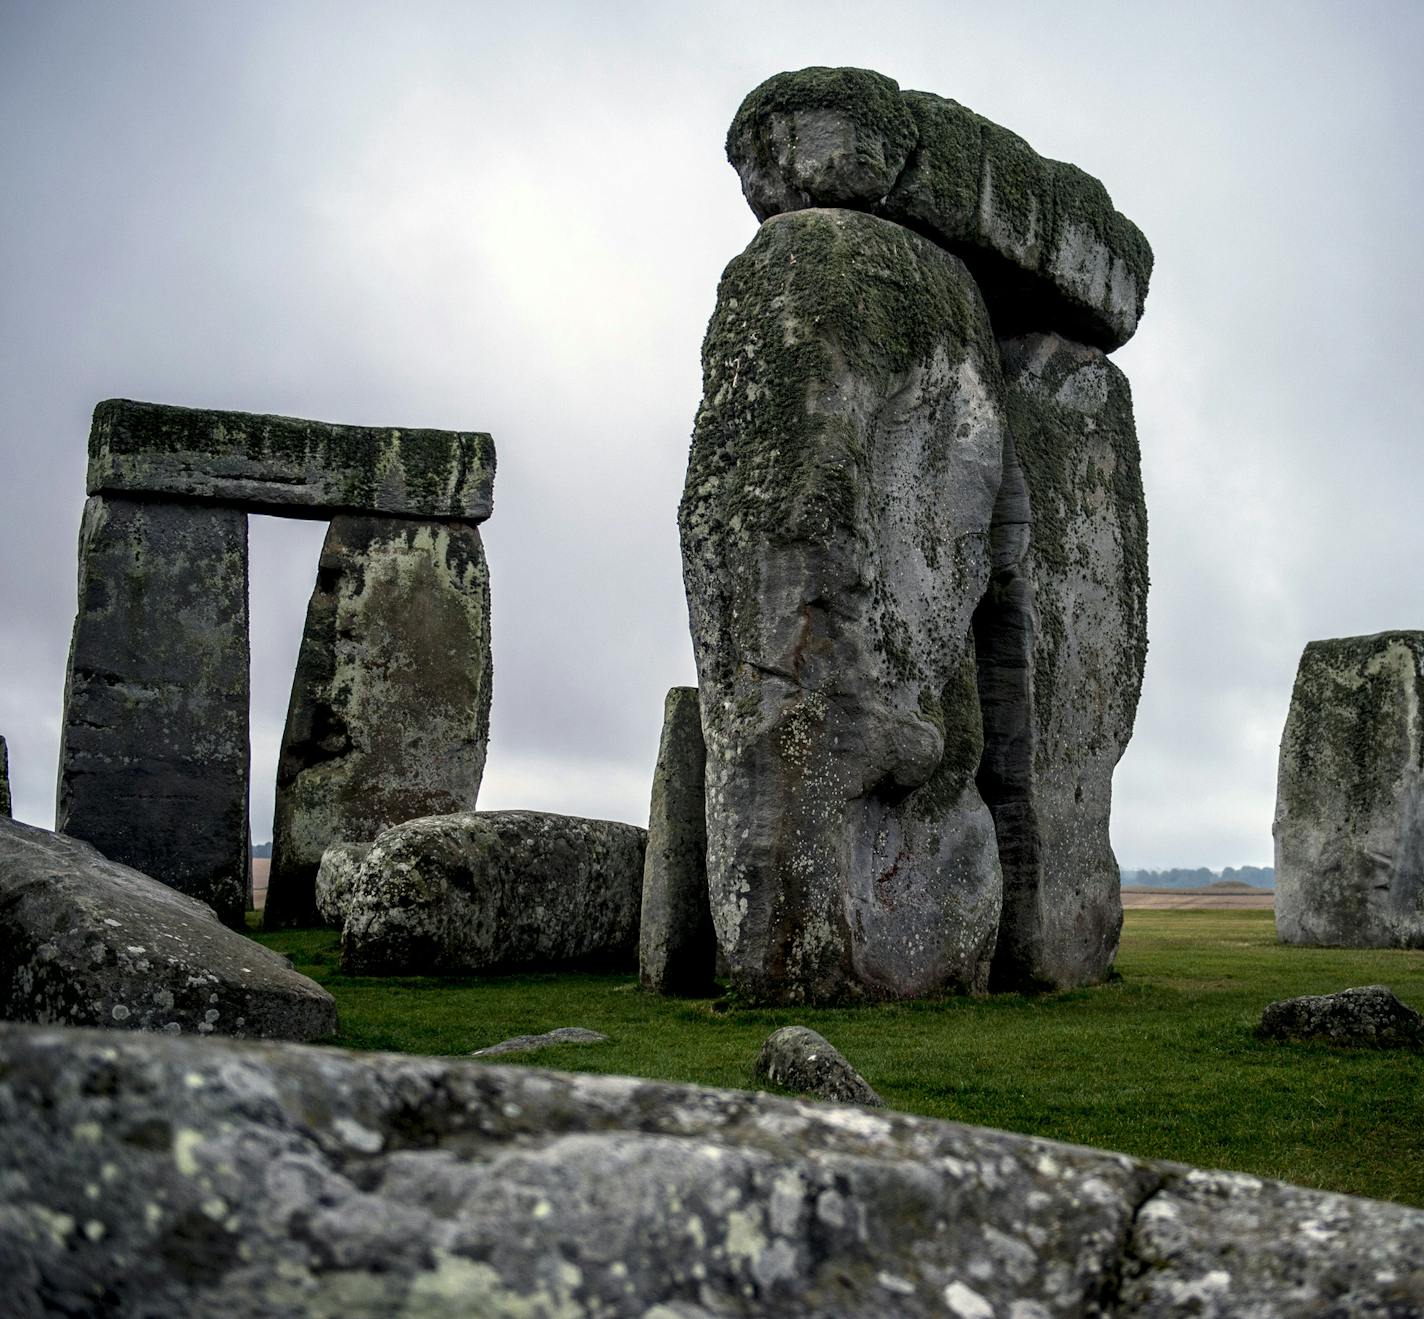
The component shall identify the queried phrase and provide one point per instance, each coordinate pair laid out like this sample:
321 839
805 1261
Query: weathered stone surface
85 941
284 464
1370 1015
241 1180
677 946
5 808
389 714
835 537
1061 637
153 764
797 1058
1349 824
335 879
495 890
532 1043
1041 237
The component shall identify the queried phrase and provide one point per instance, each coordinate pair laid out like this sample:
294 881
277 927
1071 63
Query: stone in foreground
153 761
240 1180
389 713
87 942
494 891
797 1058
1370 1016
335 878
286 465
1061 637
1041 237
835 539
532 1043
1349 824
677 946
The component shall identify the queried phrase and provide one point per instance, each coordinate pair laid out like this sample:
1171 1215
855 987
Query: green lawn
1160 1063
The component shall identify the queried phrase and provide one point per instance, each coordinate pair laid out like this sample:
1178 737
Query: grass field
1161 1063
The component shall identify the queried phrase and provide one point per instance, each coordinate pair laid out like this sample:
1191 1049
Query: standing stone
389 714
1062 640
5 808
153 765
835 535
1349 823
677 946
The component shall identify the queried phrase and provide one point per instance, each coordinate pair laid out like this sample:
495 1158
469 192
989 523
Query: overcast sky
513 218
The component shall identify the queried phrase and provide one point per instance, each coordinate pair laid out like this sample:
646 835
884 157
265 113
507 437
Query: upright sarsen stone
4 779
835 534
1349 823
153 765
389 714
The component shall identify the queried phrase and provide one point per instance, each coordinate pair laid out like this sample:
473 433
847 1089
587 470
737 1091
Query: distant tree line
1259 876
264 850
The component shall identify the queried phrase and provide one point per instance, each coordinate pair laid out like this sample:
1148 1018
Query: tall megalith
389 712
153 764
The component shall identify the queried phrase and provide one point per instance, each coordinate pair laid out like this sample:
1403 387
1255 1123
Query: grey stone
1061 637
284 464
1370 1015
389 713
5 808
531 1043
797 1058
1042 238
240 1180
85 941
677 946
1349 825
153 763
335 878
835 536
495 890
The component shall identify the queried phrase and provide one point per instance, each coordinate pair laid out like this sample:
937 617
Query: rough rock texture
1370 1015
4 779
677 946
335 878
1061 637
87 942
287 465
153 763
389 714
494 890
1349 821
169 1177
531 1043
797 1058
1041 237
835 538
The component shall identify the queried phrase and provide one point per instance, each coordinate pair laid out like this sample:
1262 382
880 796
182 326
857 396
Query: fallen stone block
533 1043
797 1058
1369 1016
335 878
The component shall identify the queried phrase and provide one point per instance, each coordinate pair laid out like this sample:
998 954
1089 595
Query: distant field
1160 1063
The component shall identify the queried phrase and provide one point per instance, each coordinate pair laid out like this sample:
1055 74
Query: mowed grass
1161 1063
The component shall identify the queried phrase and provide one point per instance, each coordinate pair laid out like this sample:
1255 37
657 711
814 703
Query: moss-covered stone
305 468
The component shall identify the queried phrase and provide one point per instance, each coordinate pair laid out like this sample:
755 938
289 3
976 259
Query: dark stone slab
389 713
798 1058
5 807
285 464
85 941
153 764
1370 1016
677 946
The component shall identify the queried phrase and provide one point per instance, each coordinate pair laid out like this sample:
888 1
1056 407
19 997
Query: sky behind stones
513 218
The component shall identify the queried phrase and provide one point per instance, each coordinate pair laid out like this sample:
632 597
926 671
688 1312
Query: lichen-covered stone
1370 1016
677 946
389 714
798 1058
335 878
1061 637
496 890
1042 238
288 465
548 1040
242 1180
835 538
85 941
153 762
1349 824
5 808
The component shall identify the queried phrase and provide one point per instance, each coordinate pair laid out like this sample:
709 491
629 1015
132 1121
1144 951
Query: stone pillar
154 765
389 714
5 808
1349 821
677 951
